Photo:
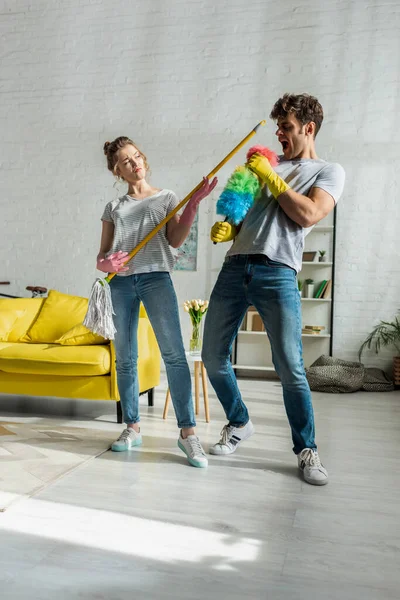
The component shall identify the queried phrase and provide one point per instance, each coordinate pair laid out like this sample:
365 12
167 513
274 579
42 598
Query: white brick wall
187 80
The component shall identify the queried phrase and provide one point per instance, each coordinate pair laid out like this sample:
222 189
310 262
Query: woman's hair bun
105 147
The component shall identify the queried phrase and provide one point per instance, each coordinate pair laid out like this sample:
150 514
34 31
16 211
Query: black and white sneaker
231 438
314 471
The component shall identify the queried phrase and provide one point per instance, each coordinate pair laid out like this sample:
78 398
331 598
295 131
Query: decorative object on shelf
309 288
253 320
385 334
322 256
196 309
309 256
300 285
242 188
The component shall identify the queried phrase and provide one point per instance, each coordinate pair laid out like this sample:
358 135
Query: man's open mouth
285 145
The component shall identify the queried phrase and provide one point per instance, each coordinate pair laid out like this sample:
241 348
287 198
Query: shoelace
225 434
311 458
195 446
125 434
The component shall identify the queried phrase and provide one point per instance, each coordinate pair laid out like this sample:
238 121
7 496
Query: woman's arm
178 227
107 236
114 262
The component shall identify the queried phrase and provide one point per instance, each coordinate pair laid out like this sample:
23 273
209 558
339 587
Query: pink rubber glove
189 213
113 263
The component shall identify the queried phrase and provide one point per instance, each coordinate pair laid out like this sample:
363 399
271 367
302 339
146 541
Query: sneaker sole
126 449
314 481
193 462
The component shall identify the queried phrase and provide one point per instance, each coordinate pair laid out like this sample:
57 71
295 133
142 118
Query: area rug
37 451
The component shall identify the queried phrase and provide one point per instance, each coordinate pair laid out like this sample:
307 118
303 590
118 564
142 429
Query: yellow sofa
46 351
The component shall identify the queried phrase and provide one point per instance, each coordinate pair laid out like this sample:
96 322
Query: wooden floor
145 525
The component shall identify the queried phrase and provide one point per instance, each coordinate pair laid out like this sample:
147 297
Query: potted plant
385 334
322 256
309 288
300 285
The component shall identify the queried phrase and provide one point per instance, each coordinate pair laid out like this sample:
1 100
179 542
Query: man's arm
306 210
303 210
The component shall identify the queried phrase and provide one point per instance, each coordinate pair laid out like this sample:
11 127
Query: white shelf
253 368
311 335
322 228
244 332
316 299
317 264
316 335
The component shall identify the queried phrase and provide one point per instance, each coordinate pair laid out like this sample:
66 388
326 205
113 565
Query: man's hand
113 263
222 231
261 166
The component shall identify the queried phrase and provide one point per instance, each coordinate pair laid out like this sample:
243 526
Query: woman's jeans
271 288
156 292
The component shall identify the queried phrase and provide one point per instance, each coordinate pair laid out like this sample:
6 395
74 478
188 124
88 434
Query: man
260 269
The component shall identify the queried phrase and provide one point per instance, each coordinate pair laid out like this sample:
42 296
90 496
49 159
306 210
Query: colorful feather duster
242 188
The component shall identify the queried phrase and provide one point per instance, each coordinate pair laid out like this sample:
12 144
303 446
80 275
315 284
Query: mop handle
187 198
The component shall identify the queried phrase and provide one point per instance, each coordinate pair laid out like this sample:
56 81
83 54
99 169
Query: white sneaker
313 470
127 440
191 446
231 438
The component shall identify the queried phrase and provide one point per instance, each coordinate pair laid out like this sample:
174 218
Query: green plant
384 334
300 284
309 281
322 252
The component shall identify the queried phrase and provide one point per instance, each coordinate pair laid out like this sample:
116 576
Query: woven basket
396 370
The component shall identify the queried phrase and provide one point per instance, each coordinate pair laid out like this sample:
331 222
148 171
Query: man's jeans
272 288
156 292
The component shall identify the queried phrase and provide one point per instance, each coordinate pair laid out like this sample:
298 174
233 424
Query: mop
100 309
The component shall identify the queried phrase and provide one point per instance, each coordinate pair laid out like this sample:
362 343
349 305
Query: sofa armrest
113 375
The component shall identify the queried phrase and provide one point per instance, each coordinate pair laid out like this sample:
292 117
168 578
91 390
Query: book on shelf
327 291
312 329
320 289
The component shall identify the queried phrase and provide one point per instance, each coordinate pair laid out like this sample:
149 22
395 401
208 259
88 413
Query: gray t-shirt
133 219
268 230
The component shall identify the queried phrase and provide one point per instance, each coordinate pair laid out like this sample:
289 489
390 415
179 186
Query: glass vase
195 340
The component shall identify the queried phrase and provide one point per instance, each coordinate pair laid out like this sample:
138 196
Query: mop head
242 188
100 310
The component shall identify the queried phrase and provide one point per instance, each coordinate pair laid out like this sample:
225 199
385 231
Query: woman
146 278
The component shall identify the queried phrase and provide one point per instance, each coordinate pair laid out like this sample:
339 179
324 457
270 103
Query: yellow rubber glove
222 231
261 166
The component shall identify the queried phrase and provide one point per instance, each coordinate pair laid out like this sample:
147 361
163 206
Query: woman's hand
203 192
113 263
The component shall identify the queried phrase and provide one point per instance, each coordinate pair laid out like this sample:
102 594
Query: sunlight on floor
144 538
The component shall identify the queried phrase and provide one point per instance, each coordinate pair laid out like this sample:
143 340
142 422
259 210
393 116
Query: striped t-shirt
133 219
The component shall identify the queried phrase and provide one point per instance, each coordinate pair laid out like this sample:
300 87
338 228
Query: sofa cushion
7 320
51 359
60 313
80 336
30 307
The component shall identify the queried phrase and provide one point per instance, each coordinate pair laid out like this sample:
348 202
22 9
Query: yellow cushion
60 313
7 320
28 306
51 359
80 336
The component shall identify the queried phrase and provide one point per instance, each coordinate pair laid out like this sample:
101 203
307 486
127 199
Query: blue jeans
156 292
271 287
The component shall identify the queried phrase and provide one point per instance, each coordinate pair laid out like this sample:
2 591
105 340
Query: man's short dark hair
304 107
